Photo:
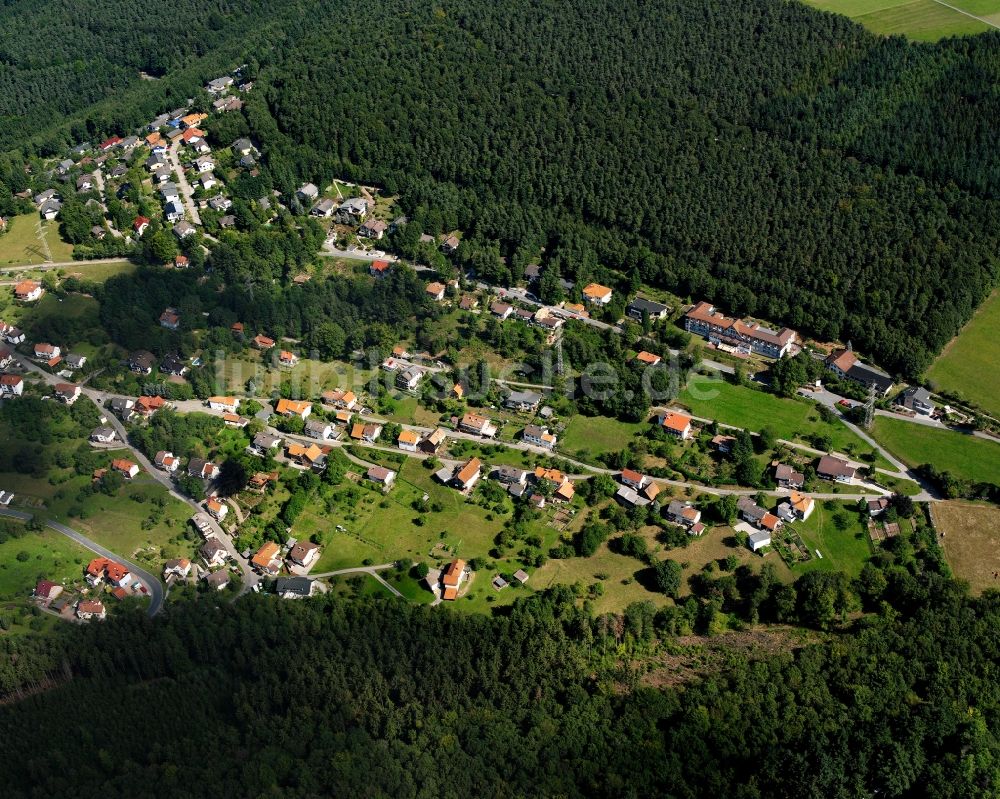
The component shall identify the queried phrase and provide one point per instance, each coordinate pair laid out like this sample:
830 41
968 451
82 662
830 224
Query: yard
22 244
844 546
34 556
965 456
920 20
967 366
970 535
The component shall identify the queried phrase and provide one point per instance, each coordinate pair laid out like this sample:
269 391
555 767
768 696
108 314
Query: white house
223 404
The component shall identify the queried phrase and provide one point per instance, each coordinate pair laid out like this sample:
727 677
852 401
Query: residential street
187 193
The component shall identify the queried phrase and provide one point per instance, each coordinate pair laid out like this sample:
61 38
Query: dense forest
331 697
779 161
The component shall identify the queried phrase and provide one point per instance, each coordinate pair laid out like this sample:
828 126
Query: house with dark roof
845 364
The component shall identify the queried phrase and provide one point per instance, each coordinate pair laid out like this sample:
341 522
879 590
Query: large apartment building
745 337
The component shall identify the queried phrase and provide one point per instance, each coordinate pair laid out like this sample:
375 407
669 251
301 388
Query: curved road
156 591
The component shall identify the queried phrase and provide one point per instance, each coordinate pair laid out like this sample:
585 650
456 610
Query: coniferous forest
779 161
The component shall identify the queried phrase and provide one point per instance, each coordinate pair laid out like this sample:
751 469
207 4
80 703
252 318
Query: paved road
156 591
330 251
372 570
44 267
187 193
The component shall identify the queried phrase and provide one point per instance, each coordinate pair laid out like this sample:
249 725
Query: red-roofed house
676 424
28 290
139 225
379 268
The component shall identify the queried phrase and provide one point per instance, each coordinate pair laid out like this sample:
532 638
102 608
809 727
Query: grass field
752 409
595 435
970 537
50 556
963 455
968 365
21 244
920 20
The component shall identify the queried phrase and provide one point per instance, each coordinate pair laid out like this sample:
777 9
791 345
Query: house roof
379 474
265 554
27 286
90 606
301 550
595 291
435 288
834 467
632 476
408 437
648 357
452 574
469 470
380 266
223 400
214 505
676 421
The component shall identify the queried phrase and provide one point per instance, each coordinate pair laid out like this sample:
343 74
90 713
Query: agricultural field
753 409
965 456
968 364
920 20
969 534
589 436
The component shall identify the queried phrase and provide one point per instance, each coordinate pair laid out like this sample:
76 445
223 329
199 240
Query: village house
46 590
45 351
596 294
287 359
450 245
501 310
845 364
170 319
223 404
918 400
523 401
787 477
266 560
287 407
468 302
373 229
837 469
633 479
641 308
11 385
6 357
308 457
408 379
146 406
467 475
216 508
212 552
73 361
510 475
304 554
758 539
677 424
384 477
217 580
125 467
219 85
366 432
67 392
648 358
206 470
294 587
178 568
87 609
352 211
798 507
103 435
262 342
340 399
167 461
741 337
477 425
407 440
435 291
379 269
319 429
876 507
686 515
432 442
723 443
323 209
263 444
539 436
141 362
173 365
452 577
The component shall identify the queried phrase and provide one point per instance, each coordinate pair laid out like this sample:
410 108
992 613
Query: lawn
969 535
594 435
920 20
753 409
98 272
844 549
968 365
965 456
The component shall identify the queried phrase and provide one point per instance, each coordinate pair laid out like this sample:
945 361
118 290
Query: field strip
880 9
966 13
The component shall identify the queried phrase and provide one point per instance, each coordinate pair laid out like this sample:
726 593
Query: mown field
965 456
920 20
968 365
21 244
970 537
